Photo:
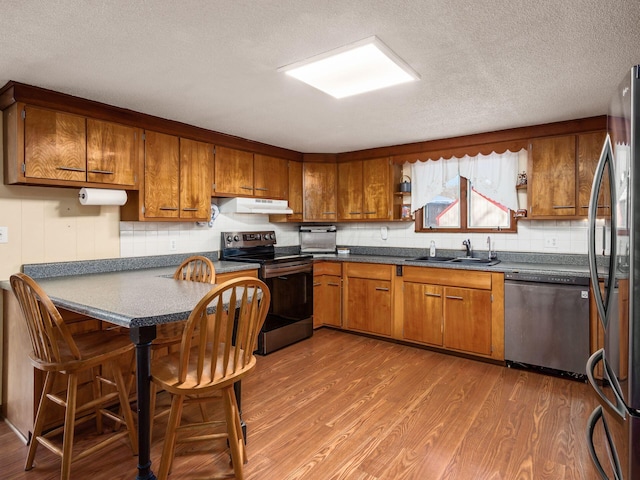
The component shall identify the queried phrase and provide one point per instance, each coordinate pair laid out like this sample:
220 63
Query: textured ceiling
485 65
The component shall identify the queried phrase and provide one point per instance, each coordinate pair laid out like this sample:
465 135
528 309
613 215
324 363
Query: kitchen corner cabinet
50 147
367 298
319 191
177 181
560 172
457 310
327 294
364 190
294 194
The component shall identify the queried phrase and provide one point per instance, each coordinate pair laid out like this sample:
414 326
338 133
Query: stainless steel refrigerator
613 431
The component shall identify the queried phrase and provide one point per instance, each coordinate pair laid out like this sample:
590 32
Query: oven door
291 289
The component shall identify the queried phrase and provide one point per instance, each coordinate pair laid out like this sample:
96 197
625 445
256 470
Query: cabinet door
112 153
369 305
233 172
270 177
54 145
195 181
422 313
326 301
377 193
589 149
552 187
467 320
162 173
350 190
295 191
319 187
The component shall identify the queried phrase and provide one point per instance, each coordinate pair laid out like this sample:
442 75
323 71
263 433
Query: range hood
254 205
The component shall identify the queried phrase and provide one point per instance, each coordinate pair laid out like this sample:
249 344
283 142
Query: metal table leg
142 338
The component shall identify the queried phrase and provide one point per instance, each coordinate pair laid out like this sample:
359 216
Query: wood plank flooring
342 406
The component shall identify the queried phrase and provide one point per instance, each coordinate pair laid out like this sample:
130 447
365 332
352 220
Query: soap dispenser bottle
432 249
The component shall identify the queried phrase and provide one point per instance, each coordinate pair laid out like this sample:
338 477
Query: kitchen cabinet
51 147
327 294
177 181
270 177
364 189
319 191
367 301
457 310
294 195
233 173
560 174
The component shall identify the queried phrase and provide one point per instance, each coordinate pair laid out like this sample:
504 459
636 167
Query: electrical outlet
551 242
4 234
173 245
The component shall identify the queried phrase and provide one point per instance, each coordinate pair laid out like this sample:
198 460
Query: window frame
464 223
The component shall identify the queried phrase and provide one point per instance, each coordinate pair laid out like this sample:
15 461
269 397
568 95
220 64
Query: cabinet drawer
368 270
327 268
443 276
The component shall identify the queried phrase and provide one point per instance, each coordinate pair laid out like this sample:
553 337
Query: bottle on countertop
432 249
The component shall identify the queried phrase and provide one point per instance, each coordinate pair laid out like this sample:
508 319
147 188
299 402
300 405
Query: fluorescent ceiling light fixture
353 69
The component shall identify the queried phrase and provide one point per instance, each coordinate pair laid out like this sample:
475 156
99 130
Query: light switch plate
4 234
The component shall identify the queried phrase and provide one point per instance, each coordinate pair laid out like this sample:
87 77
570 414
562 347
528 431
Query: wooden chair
195 269
59 353
216 351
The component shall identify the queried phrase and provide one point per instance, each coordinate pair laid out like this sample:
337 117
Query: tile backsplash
159 238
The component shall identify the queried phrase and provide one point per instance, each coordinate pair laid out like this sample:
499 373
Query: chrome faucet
492 255
467 244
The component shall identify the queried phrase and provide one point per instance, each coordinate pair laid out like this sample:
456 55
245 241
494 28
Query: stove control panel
248 239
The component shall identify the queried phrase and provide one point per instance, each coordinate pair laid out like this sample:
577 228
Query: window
467 194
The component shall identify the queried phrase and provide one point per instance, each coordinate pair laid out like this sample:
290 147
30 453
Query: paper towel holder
99 196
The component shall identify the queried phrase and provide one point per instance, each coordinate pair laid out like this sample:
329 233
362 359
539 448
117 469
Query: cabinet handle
260 188
169 208
597 206
355 213
317 284
433 294
71 169
104 172
382 289
328 213
246 188
333 284
189 209
453 297
563 206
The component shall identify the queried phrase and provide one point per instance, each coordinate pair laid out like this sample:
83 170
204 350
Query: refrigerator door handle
605 162
619 407
594 418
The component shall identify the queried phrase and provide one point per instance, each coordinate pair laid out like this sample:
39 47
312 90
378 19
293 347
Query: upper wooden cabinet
50 147
113 151
270 177
319 190
233 173
589 150
177 181
295 191
560 174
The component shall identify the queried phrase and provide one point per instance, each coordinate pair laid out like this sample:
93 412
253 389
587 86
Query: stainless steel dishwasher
547 322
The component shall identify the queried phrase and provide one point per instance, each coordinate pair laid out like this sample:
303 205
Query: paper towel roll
100 196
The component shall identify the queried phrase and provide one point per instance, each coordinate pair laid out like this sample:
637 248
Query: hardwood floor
342 406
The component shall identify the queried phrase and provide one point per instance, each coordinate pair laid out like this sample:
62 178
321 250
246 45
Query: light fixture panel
357 68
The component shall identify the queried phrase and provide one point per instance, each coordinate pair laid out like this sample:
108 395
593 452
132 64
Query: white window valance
494 175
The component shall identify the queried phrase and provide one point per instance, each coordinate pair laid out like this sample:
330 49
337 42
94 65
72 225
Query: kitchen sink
432 259
463 260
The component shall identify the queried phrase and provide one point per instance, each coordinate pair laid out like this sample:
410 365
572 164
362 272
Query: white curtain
494 175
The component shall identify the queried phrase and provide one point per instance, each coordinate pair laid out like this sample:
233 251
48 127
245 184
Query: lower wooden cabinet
467 320
327 294
422 319
368 298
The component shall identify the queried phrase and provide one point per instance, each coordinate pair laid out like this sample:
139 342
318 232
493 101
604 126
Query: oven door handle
273 271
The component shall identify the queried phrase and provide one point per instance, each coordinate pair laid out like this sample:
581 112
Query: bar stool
59 353
216 351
